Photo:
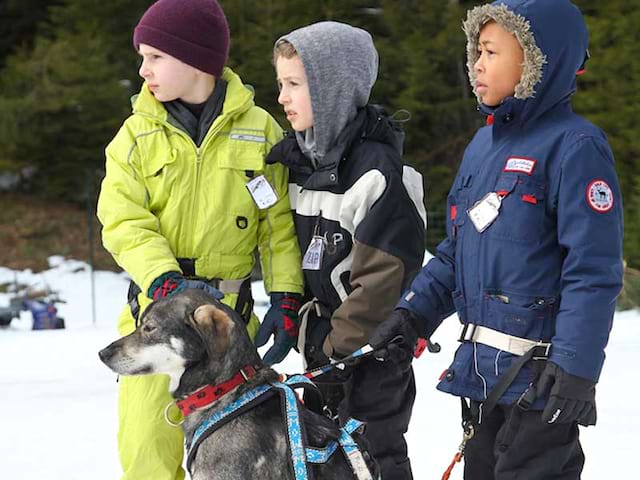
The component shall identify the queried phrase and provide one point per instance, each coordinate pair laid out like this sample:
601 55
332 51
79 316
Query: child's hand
281 321
397 336
571 399
173 282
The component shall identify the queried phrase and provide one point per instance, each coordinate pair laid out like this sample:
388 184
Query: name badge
485 211
312 259
262 192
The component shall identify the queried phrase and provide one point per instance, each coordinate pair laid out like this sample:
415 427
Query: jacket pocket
160 177
520 316
245 151
457 202
522 213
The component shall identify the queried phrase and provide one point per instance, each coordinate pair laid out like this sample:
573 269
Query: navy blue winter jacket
550 266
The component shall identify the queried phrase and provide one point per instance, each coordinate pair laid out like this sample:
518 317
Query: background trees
67 71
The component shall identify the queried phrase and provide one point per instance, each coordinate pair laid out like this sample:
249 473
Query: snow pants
512 444
382 395
150 448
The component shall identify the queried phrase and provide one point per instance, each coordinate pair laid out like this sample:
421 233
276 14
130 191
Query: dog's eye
146 328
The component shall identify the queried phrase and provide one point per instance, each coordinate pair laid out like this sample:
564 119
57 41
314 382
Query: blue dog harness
300 455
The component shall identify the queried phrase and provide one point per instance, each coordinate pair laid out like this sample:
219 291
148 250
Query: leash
471 421
344 362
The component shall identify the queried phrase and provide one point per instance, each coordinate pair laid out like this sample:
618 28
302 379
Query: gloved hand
173 282
281 320
571 399
316 333
403 324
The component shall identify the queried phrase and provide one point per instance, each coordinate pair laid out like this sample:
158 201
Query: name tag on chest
312 259
485 211
262 192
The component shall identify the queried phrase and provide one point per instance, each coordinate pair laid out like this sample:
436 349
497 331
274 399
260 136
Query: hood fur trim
534 59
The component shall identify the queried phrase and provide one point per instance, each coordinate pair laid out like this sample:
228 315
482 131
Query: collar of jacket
371 123
505 117
198 126
238 99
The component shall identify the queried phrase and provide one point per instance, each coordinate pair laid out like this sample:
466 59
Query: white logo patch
600 196
520 164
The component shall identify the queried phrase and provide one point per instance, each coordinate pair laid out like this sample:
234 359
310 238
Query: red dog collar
210 393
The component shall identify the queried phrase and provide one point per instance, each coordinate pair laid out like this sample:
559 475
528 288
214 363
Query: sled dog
202 344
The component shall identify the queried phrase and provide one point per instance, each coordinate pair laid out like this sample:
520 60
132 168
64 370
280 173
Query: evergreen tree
19 20
79 82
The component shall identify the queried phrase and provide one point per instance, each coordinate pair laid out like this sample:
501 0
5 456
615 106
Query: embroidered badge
520 164
600 196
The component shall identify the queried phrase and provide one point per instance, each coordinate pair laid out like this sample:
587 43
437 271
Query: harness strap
300 455
470 415
499 340
322 455
245 402
295 431
354 455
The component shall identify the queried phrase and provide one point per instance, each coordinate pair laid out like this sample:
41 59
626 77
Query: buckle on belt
544 355
467 330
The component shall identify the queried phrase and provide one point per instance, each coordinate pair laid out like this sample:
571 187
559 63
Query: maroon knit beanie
193 31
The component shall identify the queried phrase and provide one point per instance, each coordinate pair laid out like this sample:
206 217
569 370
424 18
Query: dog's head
190 336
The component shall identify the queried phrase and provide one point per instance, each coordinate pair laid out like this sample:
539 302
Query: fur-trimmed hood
554 38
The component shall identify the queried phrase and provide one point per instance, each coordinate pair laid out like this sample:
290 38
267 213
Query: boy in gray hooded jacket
360 220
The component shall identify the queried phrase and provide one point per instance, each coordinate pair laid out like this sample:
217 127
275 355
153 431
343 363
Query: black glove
317 331
173 282
397 336
571 399
281 320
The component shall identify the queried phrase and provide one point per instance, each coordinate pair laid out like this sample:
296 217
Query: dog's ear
214 327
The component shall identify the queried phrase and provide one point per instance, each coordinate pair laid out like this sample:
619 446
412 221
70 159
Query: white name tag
485 211
519 164
262 192
312 259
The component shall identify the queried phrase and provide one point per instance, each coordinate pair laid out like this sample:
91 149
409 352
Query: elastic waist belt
240 286
502 341
188 268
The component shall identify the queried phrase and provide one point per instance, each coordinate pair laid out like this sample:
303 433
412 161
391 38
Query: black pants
512 444
382 395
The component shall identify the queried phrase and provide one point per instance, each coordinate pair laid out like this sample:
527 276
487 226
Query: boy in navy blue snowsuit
532 262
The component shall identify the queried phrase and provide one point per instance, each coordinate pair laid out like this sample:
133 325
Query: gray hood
341 64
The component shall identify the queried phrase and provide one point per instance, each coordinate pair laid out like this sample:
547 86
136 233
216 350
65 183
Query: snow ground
58 401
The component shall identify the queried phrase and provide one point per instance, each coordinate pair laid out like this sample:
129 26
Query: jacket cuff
327 348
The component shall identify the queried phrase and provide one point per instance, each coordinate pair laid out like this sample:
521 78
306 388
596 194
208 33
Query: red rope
456 459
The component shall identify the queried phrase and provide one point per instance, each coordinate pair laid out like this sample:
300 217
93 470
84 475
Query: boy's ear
214 327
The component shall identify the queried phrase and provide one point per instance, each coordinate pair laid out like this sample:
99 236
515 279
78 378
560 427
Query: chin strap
208 394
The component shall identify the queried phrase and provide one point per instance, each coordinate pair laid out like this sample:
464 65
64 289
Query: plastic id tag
262 192
485 211
312 259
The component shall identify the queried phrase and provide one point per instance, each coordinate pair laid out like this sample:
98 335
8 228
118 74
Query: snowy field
58 401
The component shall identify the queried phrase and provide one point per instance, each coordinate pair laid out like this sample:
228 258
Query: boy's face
499 67
294 92
167 77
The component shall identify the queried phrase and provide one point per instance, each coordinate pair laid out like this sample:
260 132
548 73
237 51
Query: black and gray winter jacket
368 206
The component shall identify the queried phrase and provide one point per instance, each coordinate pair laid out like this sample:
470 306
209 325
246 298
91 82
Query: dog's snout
105 354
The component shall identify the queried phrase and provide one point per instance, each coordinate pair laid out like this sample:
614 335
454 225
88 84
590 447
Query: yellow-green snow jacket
164 198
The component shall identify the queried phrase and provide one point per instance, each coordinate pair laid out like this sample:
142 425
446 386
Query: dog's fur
197 340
